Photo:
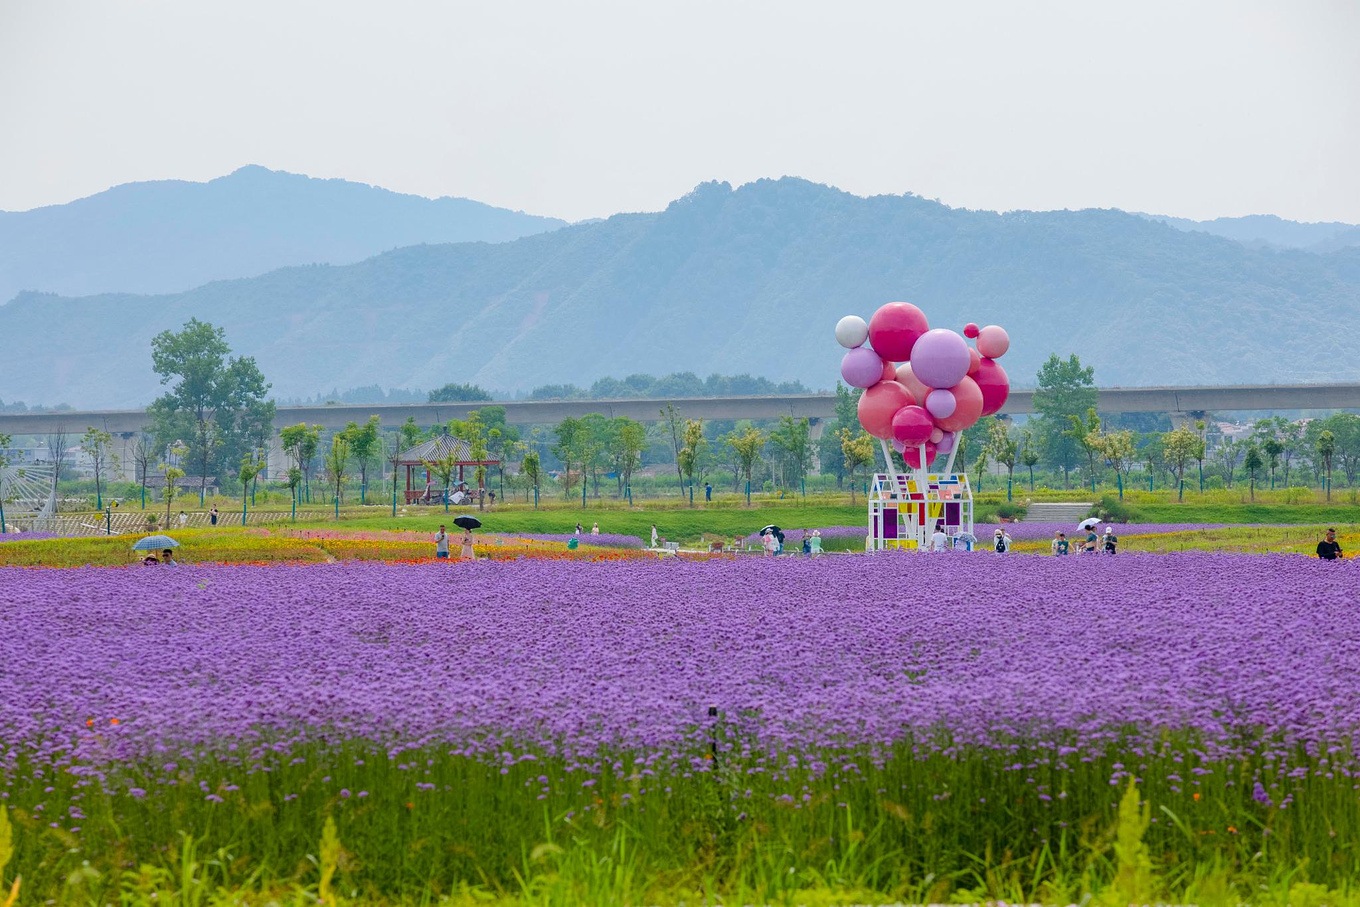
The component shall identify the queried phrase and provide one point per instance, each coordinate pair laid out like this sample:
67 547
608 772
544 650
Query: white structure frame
905 507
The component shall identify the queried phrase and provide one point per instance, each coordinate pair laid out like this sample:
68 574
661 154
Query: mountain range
729 280
170 235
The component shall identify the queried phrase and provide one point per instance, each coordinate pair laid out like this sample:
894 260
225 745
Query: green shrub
1113 510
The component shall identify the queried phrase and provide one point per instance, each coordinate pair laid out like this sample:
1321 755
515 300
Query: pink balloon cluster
941 386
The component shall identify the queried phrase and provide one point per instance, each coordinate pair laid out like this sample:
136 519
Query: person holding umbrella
467 524
153 543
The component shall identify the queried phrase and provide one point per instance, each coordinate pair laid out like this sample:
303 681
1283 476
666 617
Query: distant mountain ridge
1269 231
729 281
172 235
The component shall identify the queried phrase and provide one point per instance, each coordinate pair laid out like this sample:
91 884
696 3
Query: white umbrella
1089 523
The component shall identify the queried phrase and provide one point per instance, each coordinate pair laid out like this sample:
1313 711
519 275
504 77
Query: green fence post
363 493
294 508
98 500
748 493
691 494
804 486
394 502
1149 481
108 522
2 516
337 508
583 489
244 511
1201 478
1008 488
143 497
628 489
535 497
1119 480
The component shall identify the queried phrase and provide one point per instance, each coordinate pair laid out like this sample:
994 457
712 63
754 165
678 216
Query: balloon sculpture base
905 509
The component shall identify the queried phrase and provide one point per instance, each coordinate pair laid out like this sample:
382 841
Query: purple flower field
26 536
604 539
576 659
1028 531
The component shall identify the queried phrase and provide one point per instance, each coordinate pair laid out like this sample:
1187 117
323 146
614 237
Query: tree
473 430
1252 462
792 440
829 452
1291 441
1119 450
691 451
365 444
595 457
1229 452
409 433
336 462
1065 390
172 472
856 450
221 397
626 440
1272 448
458 393
301 442
97 446
1029 454
1180 446
1326 449
530 468
1086 433
671 417
251 466
143 456
1003 449
746 447
1202 450
570 449
1345 428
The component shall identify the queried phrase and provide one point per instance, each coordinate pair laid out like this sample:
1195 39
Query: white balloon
851 331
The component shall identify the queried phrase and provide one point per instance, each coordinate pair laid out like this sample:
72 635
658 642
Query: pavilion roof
439 448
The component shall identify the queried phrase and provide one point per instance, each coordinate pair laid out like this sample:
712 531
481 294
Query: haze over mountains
170 235
724 280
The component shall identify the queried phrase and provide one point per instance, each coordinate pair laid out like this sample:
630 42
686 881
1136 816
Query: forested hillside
730 281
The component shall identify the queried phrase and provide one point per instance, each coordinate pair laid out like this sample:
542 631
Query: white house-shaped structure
905 508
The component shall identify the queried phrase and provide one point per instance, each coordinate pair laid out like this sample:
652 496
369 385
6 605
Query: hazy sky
581 109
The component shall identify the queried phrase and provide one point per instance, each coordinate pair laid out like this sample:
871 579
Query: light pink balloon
974 360
909 380
968 408
889 371
941 404
936 435
993 341
946 442
879 404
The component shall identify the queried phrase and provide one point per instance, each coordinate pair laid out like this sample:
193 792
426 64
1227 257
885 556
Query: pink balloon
894 328
861 367
968 408
995 386
911 425
974 357
940 358
946 443
889 371
936 435
909 380
912 456
879 404
993 341
970 330
941 404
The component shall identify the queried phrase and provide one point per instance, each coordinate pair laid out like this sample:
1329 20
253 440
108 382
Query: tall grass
918 823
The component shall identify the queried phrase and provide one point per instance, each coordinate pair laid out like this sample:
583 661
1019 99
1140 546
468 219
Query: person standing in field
467 552
1060 545
212 516
595 529
654 535
183 519
767 541
441 543
1111 540
708 491
1002 542
939 541
1329 549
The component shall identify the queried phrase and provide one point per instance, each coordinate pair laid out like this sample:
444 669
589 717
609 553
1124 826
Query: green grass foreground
1023 826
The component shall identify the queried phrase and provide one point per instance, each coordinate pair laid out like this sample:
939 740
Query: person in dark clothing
708 492
1329 549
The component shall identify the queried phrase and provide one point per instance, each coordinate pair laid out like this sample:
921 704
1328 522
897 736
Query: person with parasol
467 524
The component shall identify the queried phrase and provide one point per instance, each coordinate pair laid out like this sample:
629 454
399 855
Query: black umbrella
775 531
467 522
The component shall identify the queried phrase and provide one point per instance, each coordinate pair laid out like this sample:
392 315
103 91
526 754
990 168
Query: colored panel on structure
890 522
951 514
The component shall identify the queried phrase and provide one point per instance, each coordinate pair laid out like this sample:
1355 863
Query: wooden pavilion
433 450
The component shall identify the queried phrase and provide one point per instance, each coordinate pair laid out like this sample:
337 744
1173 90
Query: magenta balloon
993 341
861 367
941 404
968 397
911 425
995 386
946 442
940 358
894 328
912 455
879 404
